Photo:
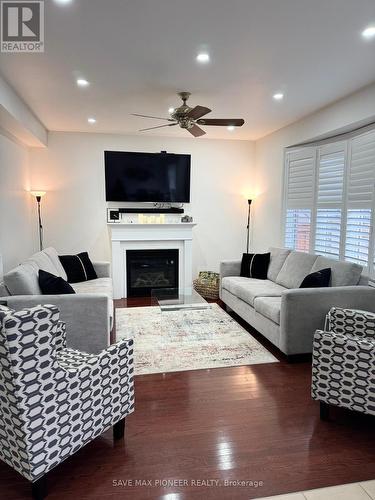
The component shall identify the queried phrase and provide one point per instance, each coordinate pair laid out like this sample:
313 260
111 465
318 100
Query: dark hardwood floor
250 423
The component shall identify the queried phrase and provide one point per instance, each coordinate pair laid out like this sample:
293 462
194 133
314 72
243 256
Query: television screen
147 177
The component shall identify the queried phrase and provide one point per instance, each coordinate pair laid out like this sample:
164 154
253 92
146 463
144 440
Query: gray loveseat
284 313
88 313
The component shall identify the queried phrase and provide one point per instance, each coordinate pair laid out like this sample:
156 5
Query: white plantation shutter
330 173
329 199
360 199
300 180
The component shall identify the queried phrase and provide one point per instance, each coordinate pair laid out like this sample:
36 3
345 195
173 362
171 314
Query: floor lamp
248 225
38 196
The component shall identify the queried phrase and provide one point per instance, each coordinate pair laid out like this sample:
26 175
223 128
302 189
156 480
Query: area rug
171 341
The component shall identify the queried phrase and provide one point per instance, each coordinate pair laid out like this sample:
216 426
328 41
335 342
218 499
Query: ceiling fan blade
222 122
196 131
197 112
156 117
159 126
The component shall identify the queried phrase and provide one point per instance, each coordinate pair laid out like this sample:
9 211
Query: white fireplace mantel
149 237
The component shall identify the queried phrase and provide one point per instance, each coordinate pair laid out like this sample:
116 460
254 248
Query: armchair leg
324 411
39 488
119 429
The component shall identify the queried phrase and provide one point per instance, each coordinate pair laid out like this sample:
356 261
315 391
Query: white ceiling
138 53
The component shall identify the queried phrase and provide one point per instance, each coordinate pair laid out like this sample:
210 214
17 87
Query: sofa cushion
317 279
296 266
41 260
100 285
247 289
363 280
4 292
23 280
278 257
231 283
269 307
53 285
54 256
255 265
342 273
78 267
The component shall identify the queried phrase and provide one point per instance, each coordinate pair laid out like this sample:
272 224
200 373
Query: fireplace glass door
151 269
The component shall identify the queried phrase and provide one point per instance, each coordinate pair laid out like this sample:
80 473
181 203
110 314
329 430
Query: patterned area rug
173 341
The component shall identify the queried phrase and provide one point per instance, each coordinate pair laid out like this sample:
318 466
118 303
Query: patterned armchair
343 372
54 400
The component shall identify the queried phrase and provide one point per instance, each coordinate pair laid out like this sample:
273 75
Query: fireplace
150 269
127 237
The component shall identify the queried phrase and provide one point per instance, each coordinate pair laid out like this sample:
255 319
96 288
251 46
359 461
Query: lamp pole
248 226
38 199
38 196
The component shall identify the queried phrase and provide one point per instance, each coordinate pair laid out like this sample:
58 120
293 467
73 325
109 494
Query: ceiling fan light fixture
203 57
189 118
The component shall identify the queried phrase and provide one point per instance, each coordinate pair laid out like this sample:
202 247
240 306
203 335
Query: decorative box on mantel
127 237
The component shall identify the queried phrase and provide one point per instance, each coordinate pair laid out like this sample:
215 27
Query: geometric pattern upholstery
343 370
54 400
351 322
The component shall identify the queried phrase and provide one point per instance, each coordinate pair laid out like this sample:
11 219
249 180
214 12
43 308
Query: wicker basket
207 284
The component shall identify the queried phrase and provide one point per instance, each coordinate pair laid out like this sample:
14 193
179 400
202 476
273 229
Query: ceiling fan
189 118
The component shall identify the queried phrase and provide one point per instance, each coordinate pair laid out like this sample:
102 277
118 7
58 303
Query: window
330 199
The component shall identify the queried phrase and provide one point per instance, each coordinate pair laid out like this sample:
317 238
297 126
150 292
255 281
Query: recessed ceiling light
369 32
63 1
170 110
91 120
231 128
81 82
203 57
279 96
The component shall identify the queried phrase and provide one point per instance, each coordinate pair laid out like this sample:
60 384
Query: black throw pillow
78 267
255 265
53 285
318 279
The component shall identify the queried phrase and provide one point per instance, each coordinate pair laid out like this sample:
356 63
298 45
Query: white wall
71 170
267 227
17 224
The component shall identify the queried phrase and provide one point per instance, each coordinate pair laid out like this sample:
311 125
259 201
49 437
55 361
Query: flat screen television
147 177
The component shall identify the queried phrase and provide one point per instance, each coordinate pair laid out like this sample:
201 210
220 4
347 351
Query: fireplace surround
126 237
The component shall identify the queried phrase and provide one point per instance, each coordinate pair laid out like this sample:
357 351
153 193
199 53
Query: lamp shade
38 193
249 193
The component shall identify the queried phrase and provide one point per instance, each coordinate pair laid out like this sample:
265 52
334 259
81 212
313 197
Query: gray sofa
284 313
88 313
